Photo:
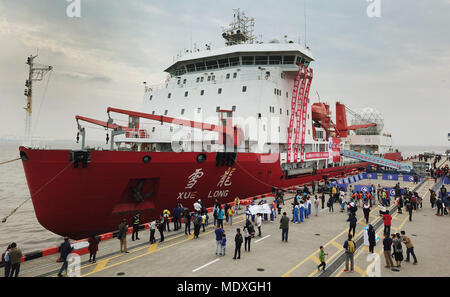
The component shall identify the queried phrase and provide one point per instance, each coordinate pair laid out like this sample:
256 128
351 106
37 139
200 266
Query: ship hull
78 202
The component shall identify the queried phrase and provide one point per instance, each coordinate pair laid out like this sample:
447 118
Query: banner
372 176
357 178
410 178
334 149
387 176
264 208
447 180
351 179
346 181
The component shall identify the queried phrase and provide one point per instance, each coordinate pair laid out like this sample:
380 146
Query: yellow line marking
360 271
339 246
152 248
314 259
100 266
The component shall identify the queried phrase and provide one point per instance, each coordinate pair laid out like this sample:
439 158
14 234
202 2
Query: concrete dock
183 256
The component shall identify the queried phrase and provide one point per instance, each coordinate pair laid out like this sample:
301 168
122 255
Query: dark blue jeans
284 234
63 267
410 251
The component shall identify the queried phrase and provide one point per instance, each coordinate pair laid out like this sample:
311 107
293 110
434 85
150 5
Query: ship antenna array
241 30
36 72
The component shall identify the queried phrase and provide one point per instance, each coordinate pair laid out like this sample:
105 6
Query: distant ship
228 122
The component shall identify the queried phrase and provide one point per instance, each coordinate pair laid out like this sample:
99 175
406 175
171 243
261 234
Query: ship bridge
284 55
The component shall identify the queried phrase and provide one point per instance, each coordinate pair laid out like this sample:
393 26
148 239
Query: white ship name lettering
218 194
193 178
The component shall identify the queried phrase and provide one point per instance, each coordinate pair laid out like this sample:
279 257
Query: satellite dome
368 115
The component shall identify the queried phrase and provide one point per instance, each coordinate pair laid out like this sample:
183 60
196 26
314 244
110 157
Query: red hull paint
77 202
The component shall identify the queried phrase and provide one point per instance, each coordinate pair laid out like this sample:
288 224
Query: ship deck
183 256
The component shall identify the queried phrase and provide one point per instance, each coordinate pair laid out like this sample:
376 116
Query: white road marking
201 267
262 238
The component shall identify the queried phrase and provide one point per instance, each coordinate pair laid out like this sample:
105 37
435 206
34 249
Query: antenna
304 2
36 72
318 95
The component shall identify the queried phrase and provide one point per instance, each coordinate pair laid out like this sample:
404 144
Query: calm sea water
23 227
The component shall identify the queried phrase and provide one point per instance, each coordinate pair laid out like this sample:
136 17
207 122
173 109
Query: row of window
237 61
202 92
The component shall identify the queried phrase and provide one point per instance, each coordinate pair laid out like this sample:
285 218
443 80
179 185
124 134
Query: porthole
201 158
146 159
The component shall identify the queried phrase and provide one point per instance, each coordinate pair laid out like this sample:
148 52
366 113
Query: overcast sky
398 63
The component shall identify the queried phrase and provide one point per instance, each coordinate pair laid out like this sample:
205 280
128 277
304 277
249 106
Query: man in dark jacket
387 245
284 226
238 240
353 221
65 249
122 236
15 257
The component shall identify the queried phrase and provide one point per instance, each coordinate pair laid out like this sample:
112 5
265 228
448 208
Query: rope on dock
6 162
35 193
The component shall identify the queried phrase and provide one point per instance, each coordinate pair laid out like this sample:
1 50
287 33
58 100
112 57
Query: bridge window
274 60
211 64
200 66
248 60
224 63
190 67
261 60
288 59
234 61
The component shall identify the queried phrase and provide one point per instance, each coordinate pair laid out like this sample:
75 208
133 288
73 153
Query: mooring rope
6 162
37 192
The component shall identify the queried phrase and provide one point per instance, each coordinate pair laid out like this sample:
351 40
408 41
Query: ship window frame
198 79
288 63
272 60
228 76
202 92
169 95
151 97
263 60
244 89
202 79
182 111
234 61
223 63
212 64
234 75
219 91
200 66
248 60
191 68
186 94
166 112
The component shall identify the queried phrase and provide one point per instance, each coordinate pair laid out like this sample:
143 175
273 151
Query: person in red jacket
93 247
387 218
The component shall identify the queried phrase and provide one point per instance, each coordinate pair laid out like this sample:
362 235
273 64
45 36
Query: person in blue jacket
295 214
302 211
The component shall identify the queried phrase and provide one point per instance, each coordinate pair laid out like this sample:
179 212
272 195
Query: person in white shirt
152 232
259 223
316 205
197 206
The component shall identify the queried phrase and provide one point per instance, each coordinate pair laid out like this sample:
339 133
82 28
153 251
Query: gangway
376 160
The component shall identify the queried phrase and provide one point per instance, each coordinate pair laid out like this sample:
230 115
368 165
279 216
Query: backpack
399 245
350 247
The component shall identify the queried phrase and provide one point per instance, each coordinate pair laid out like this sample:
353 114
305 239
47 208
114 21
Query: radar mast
241 30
